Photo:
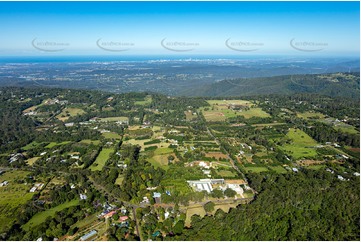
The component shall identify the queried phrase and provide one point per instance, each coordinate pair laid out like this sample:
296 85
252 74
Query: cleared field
147 100
254 112
53 144
160 145
88 141
256 169
301 145
278 169
134 127
137 142
159 161
189 115
108 108
31 161
214 116
221 113
12 197
216 155
31 145
71 112
346 128
338 125
191 211
156 128
224 207
229 102
31 109
310 115
41 217
163 151
111 135
225 173
114 119
101 159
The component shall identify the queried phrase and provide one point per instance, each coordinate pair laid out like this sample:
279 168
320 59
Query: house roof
157 194
108 215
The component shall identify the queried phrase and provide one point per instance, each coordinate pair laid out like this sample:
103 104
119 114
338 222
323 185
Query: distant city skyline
180 28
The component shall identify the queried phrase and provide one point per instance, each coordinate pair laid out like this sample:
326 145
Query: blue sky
257 28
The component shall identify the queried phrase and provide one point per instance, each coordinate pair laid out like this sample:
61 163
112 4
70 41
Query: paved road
229 156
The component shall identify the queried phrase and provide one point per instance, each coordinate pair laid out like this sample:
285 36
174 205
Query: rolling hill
336 84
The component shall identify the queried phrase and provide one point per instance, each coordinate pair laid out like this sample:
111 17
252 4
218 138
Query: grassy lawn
301 145
159 161
114 119
278 169
225 173
137 142
134 127
101 159
310 115
256 169
230 113
119 180
41 217
163 151
85 222
31 145
147 100
12 197
71 111
88 141
224 207
191 211
111 135
53 144
31 161
141 143
346 128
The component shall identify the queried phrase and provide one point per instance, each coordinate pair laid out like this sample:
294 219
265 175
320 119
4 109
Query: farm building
88 235
235 187
205 184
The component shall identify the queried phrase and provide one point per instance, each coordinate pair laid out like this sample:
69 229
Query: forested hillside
336 85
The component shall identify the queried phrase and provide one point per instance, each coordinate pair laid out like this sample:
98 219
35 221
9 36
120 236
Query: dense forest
311 205
335 85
